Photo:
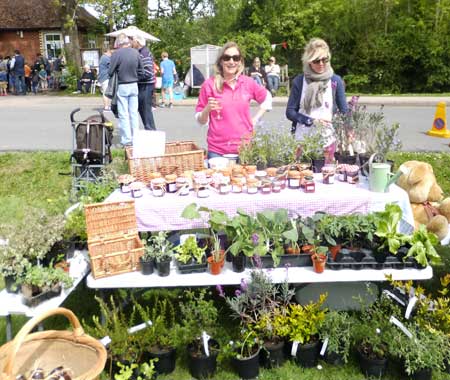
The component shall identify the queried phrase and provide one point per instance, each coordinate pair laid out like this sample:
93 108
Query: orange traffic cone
439 127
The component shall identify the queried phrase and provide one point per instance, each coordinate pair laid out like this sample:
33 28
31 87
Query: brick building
34 26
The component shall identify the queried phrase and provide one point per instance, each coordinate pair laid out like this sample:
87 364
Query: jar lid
260 173
252 181
209 172
271 172
171 177
182 179
251 169
309 178
293 174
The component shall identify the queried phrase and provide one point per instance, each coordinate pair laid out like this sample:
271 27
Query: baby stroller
91 148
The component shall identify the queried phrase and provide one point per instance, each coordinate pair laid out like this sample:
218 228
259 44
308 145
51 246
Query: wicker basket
178 157
77 352
113 241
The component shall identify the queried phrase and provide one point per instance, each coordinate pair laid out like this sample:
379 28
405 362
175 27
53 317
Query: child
34 81
43 78
3 82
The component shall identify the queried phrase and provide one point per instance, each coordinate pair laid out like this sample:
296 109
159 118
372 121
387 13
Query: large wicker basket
113 241
178 157
83 356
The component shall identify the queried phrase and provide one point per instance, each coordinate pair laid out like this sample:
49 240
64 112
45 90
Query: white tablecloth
164 213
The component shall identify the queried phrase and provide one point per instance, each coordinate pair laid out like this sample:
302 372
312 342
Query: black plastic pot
372 367
146 266
247 368
334 358
192 267
202 366
163 268
318 164
447 365
307 354
166 360
272 354
238 263
423 374
345 158
10 284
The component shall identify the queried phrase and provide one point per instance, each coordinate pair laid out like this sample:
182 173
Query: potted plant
199 323
162 249
422 249
245 350
217 257
312 146
144 371
147 260
157 340
306 238
190 257
319 259
421 353
336 332
41 283
301 326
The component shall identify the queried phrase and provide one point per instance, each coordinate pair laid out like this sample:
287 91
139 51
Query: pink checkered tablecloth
164 213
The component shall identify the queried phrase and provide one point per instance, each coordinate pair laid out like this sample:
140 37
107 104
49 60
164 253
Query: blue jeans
258 80
127 106
20 84
273 82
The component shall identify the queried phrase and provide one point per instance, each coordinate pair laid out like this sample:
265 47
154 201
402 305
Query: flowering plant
313 142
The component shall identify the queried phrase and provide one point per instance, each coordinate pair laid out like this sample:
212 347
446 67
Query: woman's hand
213 104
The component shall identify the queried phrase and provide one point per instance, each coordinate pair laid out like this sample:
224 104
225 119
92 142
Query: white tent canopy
133 31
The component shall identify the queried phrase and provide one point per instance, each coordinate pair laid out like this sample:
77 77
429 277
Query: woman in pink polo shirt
224 103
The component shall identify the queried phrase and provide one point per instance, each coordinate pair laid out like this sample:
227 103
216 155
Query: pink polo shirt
225 133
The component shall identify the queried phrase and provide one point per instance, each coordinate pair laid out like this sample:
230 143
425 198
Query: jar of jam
203 189
271 173
293 179
237 169
278 186
250 170
353 174
328 174
252 185
342 173
182 186
158 187
310 186
266 188
224 187
171 186
236 185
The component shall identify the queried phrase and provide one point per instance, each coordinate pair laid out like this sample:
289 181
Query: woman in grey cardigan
316 95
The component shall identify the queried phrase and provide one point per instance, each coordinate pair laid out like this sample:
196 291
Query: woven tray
113 241
83 355
178 157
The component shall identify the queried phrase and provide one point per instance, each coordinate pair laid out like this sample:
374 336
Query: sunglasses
235 58
323 60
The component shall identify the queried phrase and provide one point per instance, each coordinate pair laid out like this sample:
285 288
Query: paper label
105 341
394 297
294 348
412 302
401 326
139 327
324 347
205 338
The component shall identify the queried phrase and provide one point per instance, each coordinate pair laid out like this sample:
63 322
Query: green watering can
380 176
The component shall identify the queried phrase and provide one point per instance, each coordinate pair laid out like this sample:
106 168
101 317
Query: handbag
112 86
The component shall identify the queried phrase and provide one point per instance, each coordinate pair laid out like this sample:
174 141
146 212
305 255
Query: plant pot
202 366
307 354
318 164
64 265
247 368
345 158
319 264
147 266
333 358
334 250
166 359
192 267
215 267
422 374
10 284
272 354
238 262
33 296
290 250
372 367
163 268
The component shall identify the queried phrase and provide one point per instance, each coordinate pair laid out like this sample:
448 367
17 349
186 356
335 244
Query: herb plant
190 250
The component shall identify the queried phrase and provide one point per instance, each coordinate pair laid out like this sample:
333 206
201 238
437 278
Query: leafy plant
387 229
158 247
245 345
190 250
45 277
313 142
217 252
422 247
303 322
336 328
146 371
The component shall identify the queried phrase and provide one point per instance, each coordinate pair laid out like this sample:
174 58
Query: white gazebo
203 57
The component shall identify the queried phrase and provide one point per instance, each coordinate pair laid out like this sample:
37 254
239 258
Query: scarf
317 85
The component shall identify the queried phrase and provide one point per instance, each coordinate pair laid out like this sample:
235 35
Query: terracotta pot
334 250
319 263
307 248
291 250
215 267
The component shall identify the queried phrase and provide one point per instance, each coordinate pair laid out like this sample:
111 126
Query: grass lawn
35 180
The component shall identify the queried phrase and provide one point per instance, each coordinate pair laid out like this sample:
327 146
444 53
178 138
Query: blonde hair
316 48
218 78
164 54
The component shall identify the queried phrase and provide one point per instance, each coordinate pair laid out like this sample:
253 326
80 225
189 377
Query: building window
53 45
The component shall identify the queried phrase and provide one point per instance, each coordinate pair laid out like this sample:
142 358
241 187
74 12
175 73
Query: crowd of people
19 77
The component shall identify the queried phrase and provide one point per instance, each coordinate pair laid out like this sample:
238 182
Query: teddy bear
426 197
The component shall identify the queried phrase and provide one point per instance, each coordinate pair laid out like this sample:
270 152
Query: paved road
42 122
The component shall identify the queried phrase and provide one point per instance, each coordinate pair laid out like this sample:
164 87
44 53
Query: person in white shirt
273 75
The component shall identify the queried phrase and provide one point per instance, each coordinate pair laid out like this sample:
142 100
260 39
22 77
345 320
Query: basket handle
30 325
